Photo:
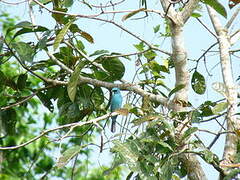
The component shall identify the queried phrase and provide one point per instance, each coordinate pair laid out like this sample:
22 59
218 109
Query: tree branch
188 9
78 124
230 148
229 23
94 17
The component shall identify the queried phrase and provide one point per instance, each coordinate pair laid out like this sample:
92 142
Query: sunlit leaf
127 152
140 46
61 35
198 83
72 84
196 15
68 155
125 17
219 107
150 55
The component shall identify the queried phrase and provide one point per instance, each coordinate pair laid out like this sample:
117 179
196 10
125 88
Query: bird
116 103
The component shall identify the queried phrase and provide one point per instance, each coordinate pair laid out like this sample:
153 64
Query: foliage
52 85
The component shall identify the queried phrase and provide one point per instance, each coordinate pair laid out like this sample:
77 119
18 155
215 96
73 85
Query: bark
230 148
179 56
190 161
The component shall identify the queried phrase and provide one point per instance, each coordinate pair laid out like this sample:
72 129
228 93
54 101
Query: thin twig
94 17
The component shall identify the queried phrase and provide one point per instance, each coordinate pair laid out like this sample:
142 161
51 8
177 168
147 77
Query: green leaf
42 43
60 18
68 155
99 52
8 120
46 101
1 44
126 150
115 68
72 84
176 89
196 116
156 28
98 96
140 46
198 83
29 30
87 36
196 15
150 55
208 156
21 82
219 107
24 50
188 133
125 17
45 163
165 145
74 28
23 24
68 3
168 126
217 6
61 34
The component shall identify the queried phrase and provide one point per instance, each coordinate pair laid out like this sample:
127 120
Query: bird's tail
113 127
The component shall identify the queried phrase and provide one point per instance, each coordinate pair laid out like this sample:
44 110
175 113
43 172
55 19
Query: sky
111 38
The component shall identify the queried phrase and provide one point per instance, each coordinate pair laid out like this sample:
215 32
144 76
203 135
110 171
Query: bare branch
94 17
229 23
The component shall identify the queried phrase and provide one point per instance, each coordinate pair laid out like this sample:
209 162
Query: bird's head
115 90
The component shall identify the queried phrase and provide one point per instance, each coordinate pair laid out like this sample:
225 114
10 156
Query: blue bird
116 103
